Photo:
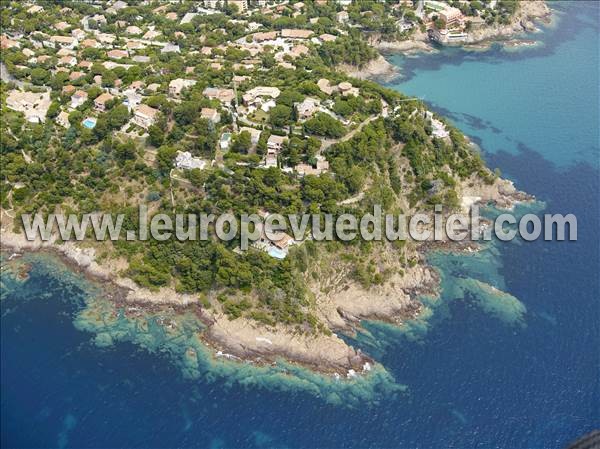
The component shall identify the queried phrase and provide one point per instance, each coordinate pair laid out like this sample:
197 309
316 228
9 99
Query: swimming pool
89 123
276 253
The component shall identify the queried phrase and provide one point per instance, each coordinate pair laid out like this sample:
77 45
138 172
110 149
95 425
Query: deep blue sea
517 367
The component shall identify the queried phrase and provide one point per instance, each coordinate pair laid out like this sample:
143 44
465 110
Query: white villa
185 161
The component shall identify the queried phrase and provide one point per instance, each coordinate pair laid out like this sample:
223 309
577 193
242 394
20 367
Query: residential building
170 48
65 52
101 100
266 36
185 161
76 75
327 37
106 38
78 34
254 135
307 108
117 54
211 114
68 60
64 41
61 26
298 50
322 166
145 116
225 96
63 119
35 9
296 33
452 16
6 42
142 59
438 128
133 30
90 43
187 18
85 65
325 86
342 16
242 5
134 45
346 89
275 143
257 94
33 105
78 98
176 86
151 34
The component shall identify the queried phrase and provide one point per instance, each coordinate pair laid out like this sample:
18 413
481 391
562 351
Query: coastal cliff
376 68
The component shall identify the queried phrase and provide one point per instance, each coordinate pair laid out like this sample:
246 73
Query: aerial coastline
139 341
341 302
342 308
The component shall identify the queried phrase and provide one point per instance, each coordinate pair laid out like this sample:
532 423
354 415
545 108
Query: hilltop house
346 89
307 108
64 41
306 169
223 95
185 161
274 146
63 119
296 33
117 54
145 116
325 86
78 98
211 115
68 60
261 97
177 85
101 100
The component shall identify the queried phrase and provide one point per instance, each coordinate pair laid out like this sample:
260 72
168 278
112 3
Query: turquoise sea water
507 359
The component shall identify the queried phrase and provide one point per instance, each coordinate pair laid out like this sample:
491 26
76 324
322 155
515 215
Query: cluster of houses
123 50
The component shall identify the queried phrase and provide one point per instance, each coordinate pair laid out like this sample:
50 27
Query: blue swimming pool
89 123
277 253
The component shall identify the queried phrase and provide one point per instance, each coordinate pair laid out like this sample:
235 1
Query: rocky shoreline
241 339
530 13
342 308
378 68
